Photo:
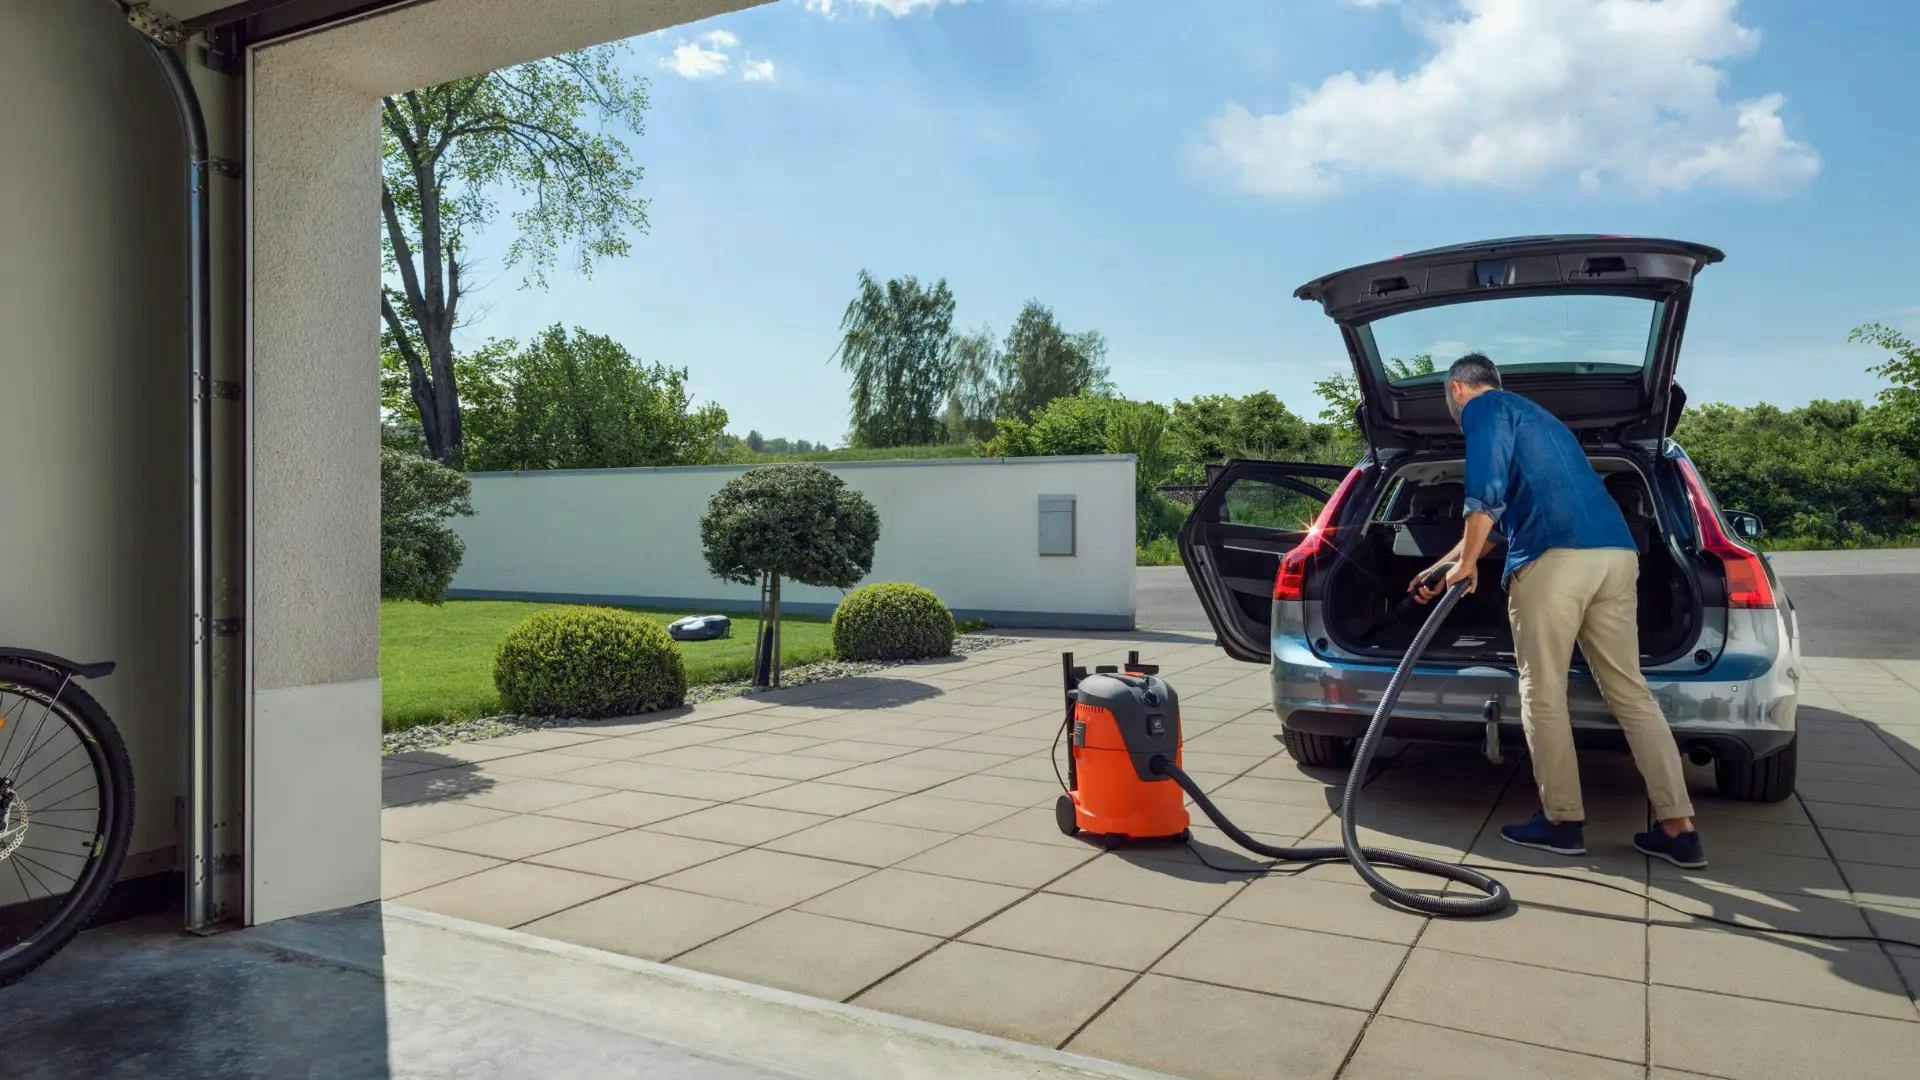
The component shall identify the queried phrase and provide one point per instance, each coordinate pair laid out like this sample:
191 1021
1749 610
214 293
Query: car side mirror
1744 525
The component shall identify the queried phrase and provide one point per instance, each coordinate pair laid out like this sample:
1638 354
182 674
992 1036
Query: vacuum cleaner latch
1490 712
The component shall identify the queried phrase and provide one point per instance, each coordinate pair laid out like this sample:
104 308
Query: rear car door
1251 514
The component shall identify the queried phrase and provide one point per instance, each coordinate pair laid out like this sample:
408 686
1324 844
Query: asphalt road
1850 603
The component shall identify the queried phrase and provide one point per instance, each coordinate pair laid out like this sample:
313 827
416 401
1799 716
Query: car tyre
1308 748
1767 779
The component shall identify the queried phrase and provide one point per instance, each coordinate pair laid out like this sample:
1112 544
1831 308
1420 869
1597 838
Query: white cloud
896 8
1527 93
710 55
690 61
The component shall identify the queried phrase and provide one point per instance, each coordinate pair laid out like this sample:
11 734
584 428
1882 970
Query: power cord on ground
1295 860
1291 868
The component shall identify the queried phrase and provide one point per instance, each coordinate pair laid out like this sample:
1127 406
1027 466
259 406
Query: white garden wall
967 528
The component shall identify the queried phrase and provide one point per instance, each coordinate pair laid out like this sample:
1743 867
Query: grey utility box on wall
1056 525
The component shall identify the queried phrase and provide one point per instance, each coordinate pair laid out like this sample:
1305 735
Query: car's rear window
1579 333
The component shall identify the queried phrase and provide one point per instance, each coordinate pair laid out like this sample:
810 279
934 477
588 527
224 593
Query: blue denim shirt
1527 470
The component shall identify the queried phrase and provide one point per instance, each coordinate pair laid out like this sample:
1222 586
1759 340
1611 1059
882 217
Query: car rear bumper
1723 745
1741 707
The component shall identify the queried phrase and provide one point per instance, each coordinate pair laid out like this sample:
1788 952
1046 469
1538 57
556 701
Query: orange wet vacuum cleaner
1118 721
1125 782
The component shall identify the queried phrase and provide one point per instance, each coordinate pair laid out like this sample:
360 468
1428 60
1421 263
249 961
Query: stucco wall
93 378
967 529
313 621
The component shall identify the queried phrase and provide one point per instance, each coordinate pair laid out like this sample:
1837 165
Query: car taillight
1290 582
1746 575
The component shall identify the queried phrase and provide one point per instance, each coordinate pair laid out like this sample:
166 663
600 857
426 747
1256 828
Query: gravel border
428 736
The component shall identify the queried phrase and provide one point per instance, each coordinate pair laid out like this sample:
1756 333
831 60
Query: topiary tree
418 552
894 621
588 662
787 521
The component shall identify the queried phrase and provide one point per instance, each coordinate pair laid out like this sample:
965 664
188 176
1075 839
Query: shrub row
594 662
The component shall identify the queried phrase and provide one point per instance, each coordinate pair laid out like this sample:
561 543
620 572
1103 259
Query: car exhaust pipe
1700 754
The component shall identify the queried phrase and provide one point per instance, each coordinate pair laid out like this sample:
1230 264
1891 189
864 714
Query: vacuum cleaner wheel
1063 816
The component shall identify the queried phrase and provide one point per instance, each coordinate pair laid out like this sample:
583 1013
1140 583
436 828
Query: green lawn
436 663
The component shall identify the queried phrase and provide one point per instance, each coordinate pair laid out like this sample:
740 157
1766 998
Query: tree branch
398 125
402 254
422 390
453 287
453 113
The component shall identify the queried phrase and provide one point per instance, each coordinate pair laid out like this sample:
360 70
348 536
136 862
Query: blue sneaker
1566 838
1684 851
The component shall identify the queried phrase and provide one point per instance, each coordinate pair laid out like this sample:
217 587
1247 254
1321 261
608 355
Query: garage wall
969 529
313 406
93 379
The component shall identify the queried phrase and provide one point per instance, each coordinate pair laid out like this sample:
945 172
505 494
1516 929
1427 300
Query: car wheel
1768 779
1308 748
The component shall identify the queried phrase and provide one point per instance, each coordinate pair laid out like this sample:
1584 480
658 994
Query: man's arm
1458 554
1473 545
1489 464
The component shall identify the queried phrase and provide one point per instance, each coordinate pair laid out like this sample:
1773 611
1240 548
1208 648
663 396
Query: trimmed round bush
588 662
892 622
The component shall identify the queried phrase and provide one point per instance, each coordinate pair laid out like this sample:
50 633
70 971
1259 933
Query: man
1570 573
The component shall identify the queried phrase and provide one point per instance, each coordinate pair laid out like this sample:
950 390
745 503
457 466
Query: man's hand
1414 585
1463 570
1460 571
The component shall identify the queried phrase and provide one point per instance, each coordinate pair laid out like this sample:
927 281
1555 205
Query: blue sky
1168 173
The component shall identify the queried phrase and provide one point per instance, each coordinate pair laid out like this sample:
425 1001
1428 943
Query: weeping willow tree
897 345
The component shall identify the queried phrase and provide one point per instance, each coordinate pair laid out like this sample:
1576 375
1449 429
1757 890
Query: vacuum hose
1496 897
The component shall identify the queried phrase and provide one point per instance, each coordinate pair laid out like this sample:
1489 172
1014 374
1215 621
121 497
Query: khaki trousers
1587 595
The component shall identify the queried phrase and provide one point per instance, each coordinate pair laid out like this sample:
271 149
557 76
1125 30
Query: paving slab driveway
889 841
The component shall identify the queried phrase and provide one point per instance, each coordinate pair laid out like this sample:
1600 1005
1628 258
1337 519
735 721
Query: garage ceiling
255 21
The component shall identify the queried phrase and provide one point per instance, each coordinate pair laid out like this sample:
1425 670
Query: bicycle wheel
66 812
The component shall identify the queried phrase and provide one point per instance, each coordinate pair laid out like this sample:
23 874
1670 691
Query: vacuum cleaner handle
1429 580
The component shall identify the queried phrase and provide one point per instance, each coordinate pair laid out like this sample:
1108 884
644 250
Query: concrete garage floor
889 842
377 992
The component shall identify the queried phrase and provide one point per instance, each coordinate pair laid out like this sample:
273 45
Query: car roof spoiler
1629 265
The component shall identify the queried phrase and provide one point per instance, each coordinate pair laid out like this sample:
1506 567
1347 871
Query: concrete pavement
889 842
1855 603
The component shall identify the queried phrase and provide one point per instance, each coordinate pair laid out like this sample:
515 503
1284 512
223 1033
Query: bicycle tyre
113 827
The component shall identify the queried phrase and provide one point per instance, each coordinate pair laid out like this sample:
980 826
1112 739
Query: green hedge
588 662
892 622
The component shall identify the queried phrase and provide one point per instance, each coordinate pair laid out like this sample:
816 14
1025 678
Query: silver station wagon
1305 566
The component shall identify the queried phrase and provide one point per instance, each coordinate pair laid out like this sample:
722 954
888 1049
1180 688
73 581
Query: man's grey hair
1474 369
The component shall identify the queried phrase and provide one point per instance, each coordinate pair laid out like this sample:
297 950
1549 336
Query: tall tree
1140 428
582 401
897 344
447 150
975 394
1041 362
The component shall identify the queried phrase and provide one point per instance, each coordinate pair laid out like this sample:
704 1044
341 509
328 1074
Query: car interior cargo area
1420 518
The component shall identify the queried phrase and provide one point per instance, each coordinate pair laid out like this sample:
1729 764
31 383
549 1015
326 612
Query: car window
1577 333
1268 505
